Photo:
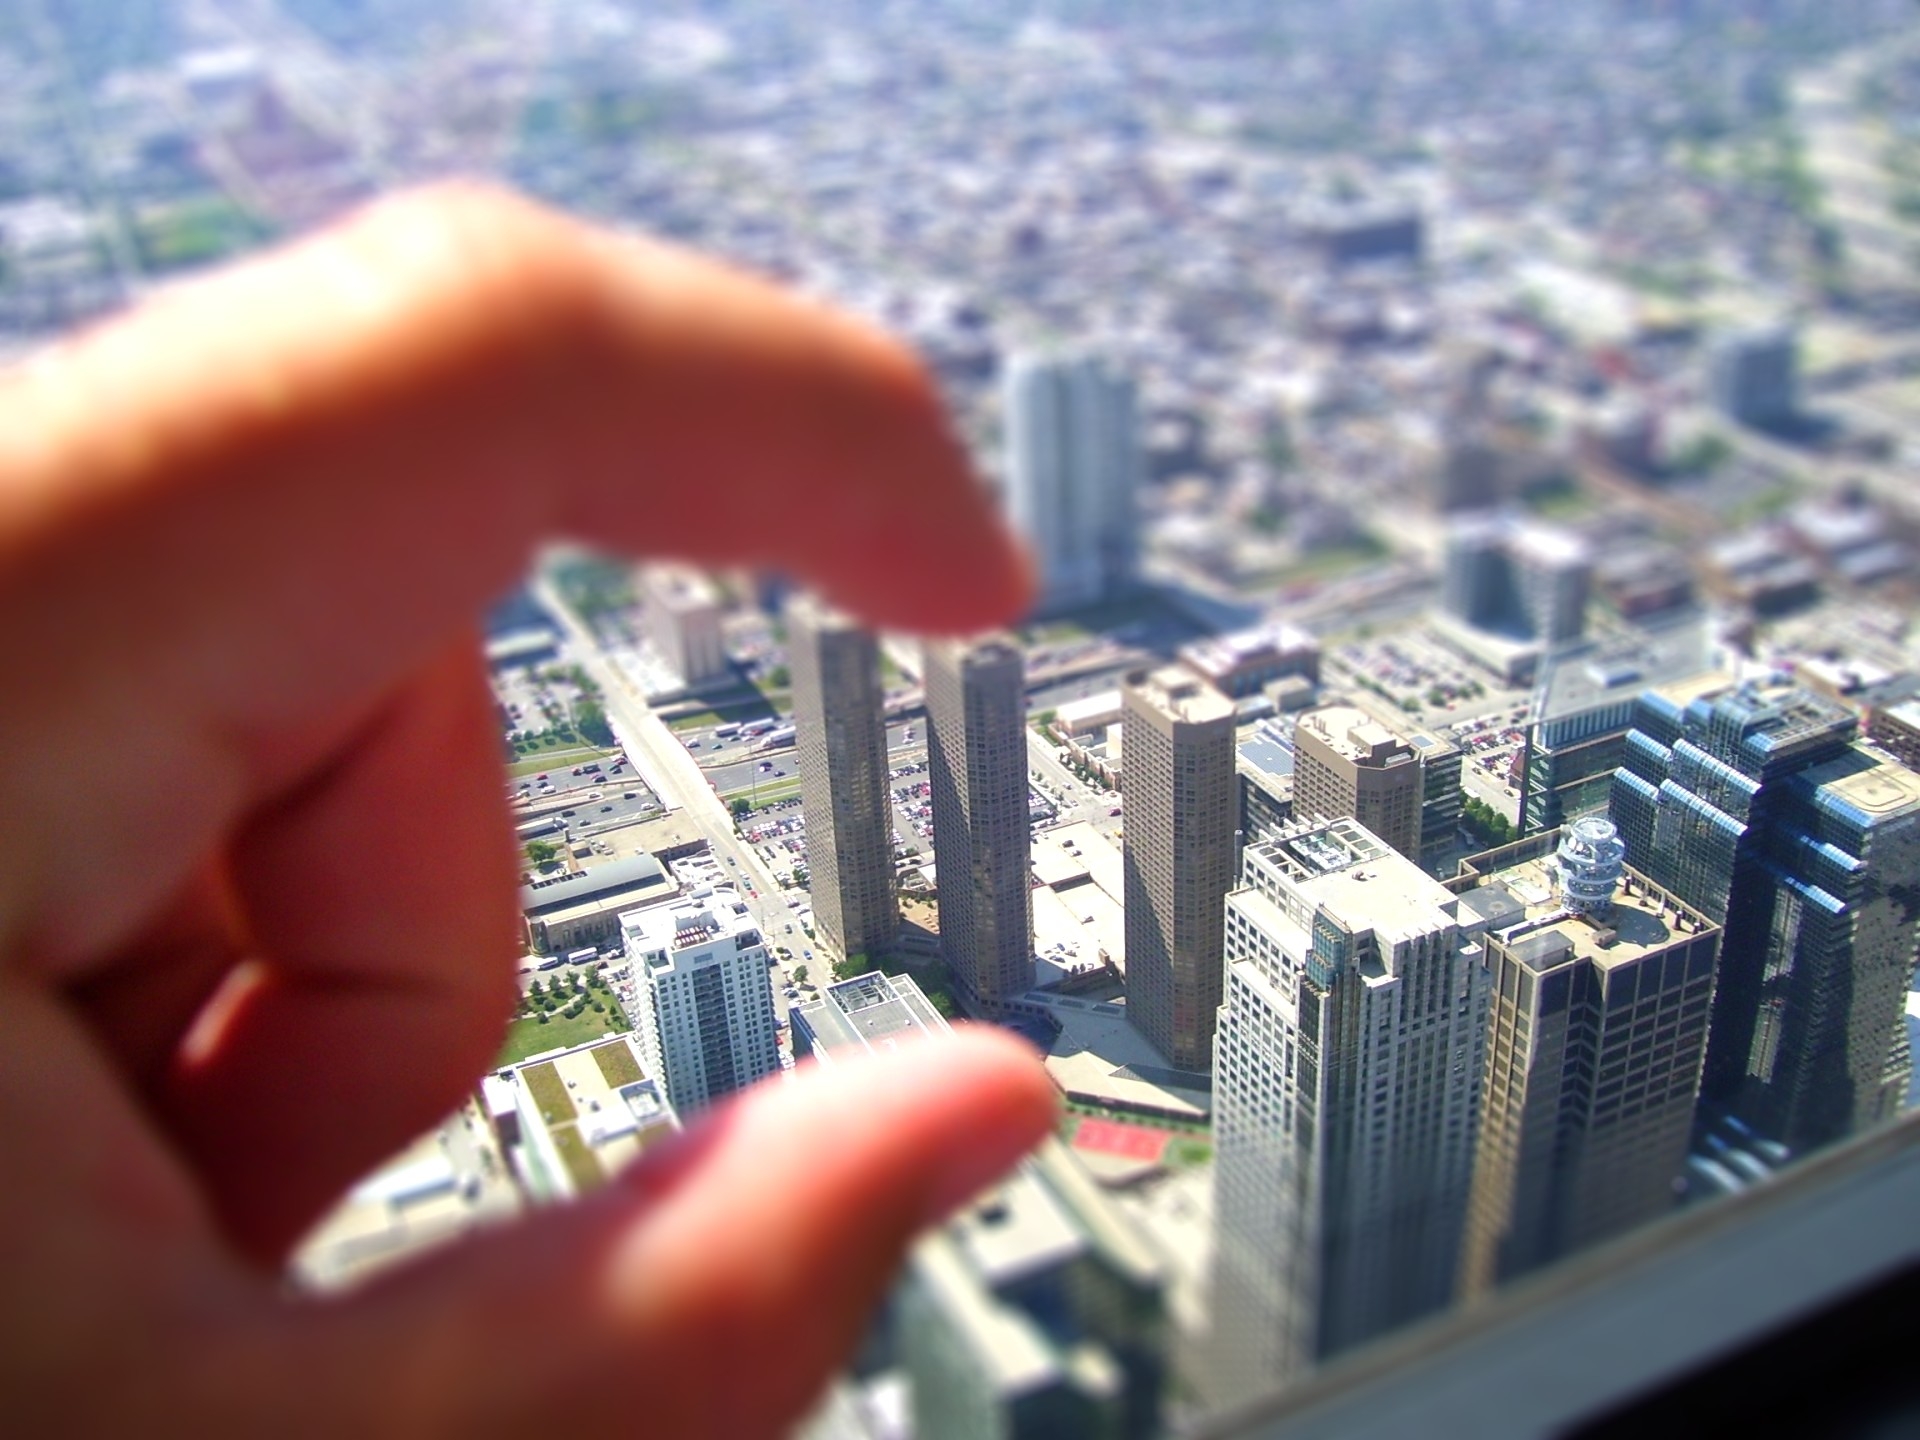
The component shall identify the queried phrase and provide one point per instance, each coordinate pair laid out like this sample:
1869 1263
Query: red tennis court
1133 1142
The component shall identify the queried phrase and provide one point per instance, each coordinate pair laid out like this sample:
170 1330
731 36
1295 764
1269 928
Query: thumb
712 1288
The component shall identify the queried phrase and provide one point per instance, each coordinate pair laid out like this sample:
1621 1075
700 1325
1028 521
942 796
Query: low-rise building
578 1117
867 1014
1247 661
1582 712
584 907
1264 766
1036 1314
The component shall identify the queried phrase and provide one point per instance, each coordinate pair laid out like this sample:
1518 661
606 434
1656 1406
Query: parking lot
1423 678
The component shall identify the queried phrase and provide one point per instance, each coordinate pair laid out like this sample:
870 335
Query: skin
258 911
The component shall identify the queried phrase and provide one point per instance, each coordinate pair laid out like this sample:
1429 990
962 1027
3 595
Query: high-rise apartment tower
703 1010
1073 475
1178 857
1347 765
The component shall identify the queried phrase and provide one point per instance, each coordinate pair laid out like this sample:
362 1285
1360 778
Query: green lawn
768 791
195 233
1764 506
550 1094
582 1164
1563 500
780 702
695 720
1326 563
527 1036
617 1066
1186 1154
1072 1112
744 703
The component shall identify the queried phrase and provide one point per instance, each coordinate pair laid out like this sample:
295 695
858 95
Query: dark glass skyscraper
837 705
1759 807
977 763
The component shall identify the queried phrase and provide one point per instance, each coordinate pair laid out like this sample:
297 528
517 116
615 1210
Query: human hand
258 899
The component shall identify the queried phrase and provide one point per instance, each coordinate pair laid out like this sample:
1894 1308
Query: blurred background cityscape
1453 802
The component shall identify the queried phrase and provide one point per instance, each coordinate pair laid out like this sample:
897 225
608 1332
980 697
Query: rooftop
1782 719
596 1107
1093 711
1269 748
1048 1214
1601 674
1015 1230
1224 654
1179 694
1355 735
640 873
675 928
681 588
1868 781
871 1012
1342 867
1521 905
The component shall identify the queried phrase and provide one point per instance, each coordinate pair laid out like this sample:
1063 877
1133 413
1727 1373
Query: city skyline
1451 802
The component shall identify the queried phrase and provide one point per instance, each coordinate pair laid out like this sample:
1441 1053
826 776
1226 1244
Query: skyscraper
1347 765
1754 376
1346 1087
1178 856
977 767
1760 808
1583 709
1600 984
683 615
1073 475
841 735
1517 578
703 1009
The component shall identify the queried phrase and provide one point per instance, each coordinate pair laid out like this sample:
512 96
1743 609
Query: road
733 764
676 778
1082 803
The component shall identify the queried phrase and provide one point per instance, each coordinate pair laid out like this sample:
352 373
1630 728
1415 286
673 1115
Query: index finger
252 507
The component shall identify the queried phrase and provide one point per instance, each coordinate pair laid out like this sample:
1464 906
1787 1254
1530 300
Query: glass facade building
1760 807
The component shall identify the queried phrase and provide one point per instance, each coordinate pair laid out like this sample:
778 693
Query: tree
542 853
799 974
742 806
591 721
779 677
